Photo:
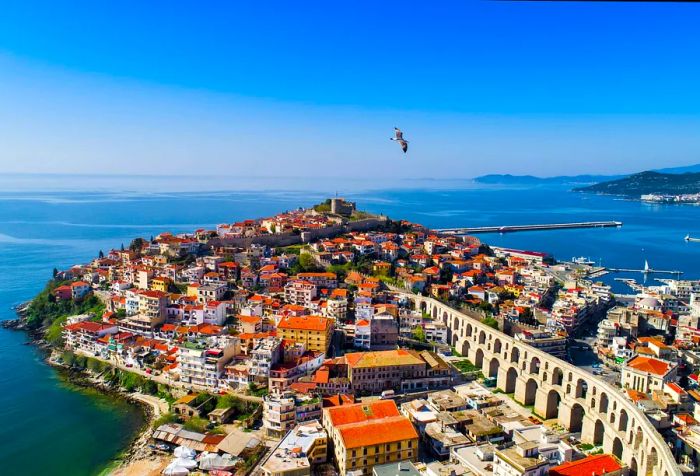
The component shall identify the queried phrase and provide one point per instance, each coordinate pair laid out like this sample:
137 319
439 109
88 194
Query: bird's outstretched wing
404 145
398 133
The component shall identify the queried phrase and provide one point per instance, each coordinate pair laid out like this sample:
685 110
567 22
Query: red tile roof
649 365
362 412
377 432
589 466
309 323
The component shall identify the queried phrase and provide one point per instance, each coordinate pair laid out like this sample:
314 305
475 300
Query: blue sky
315 88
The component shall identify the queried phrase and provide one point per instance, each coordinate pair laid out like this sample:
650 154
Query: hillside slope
647 182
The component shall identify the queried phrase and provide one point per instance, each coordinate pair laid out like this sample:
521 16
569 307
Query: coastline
137 448
136 458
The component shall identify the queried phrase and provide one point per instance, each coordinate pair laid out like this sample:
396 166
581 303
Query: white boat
690 238
582 260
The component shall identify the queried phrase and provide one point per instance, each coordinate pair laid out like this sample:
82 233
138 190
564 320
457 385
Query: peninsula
649 183
259 342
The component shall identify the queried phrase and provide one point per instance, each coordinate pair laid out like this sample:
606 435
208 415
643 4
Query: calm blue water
79 434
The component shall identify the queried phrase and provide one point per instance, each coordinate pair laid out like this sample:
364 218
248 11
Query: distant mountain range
577 181
507 179
648 182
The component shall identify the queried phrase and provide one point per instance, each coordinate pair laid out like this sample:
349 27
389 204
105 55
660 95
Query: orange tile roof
589 466
249 319
362 412
339 399
309 323
317 275
649 365
382 358
382 431
636 396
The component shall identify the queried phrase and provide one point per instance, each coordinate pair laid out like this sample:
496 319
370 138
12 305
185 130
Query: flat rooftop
292 451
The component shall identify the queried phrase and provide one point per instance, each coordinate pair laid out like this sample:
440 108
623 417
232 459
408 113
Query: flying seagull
399 138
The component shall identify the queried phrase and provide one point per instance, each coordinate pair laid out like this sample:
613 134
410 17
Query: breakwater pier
515 228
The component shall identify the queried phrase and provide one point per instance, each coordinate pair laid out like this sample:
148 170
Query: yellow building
516 289
160 284
193 289
314 332
368 434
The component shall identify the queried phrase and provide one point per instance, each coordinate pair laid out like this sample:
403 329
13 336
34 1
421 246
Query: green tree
419 334
306 263
136 245
491 322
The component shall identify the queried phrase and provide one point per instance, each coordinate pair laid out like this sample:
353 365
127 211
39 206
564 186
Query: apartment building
314 332
300 293
266 353
283 412
203 363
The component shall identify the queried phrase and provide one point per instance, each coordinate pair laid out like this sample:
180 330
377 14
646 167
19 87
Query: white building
265 354
436 332
363 334
202 363
283 412
520 460
300 292
306 445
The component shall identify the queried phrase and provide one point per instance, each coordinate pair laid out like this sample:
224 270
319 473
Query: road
164 379
582 353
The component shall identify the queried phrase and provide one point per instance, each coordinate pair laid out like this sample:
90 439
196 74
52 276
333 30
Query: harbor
597 271
538 227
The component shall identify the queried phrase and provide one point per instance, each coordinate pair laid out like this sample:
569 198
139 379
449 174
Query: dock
632 284
515 228
645 271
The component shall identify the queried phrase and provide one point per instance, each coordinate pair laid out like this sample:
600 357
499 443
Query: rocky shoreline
138 448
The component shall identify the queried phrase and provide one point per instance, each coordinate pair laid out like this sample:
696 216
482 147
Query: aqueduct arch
585 403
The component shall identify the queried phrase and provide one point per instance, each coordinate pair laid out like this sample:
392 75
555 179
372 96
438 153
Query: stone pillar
588 430
564 415
541 403
502 379
520 390
471 354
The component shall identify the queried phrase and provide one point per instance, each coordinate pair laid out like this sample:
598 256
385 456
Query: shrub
491 322
196 424
165 419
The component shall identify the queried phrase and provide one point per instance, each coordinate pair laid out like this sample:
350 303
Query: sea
52 427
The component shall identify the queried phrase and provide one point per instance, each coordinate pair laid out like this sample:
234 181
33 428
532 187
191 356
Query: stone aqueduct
557 389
